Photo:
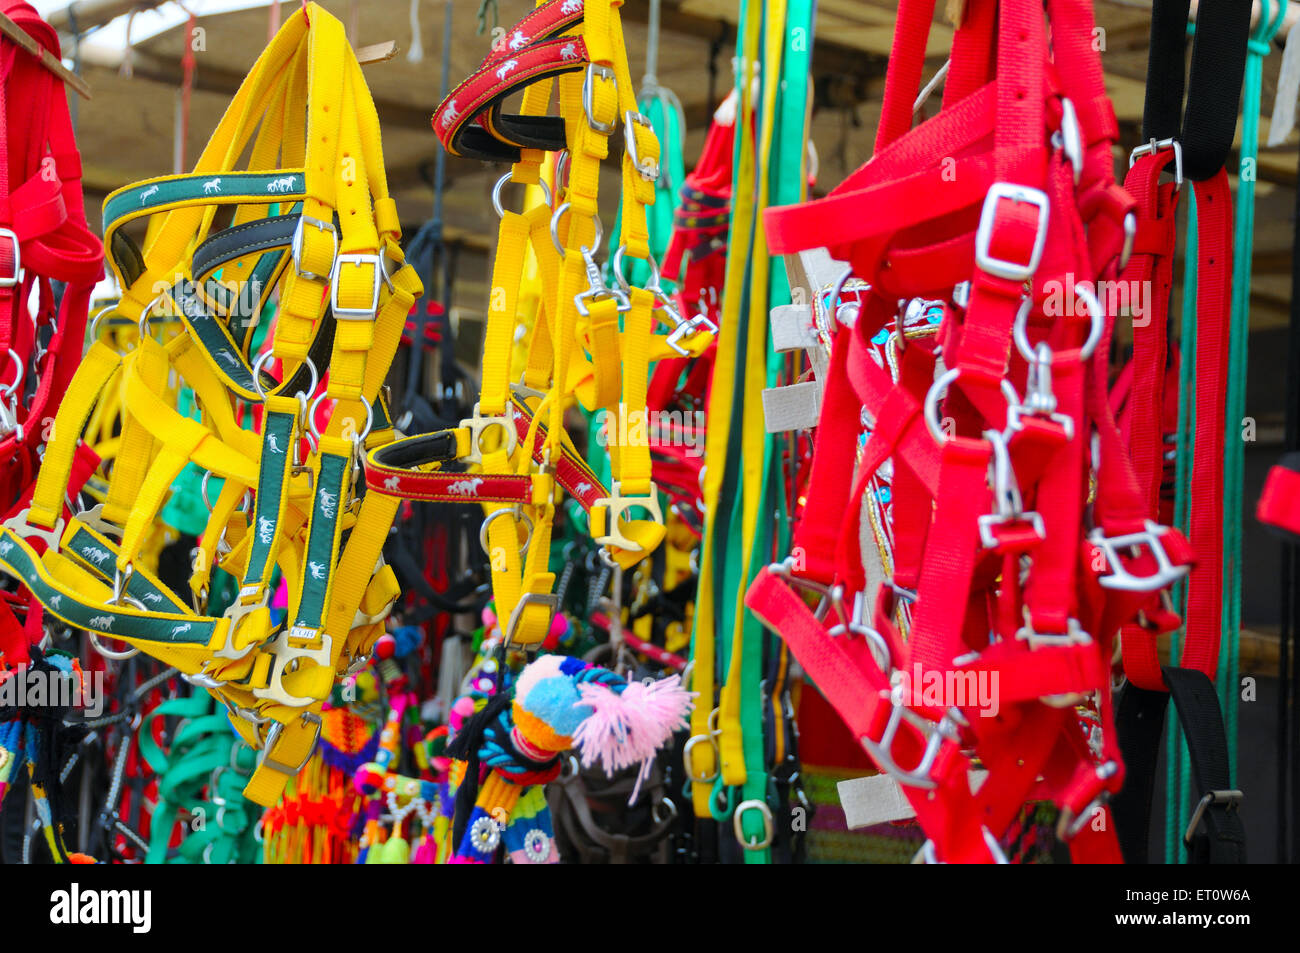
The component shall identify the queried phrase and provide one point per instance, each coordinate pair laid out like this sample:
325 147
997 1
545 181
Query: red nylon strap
542 23
41 205
1213 310
497 79
945 581
411 483
907 223
1151 266
1279 503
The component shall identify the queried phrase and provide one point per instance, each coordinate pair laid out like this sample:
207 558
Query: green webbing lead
1261 38
200 783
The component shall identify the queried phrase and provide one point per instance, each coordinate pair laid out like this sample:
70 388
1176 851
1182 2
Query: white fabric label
879 799
793 407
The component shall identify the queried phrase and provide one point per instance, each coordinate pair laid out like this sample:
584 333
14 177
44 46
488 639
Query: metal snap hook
12 389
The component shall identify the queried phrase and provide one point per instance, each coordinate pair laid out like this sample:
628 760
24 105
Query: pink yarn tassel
628 728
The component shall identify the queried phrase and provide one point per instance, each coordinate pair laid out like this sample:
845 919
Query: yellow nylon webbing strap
88 384
704 757
145 368
730 739
309 127
498 340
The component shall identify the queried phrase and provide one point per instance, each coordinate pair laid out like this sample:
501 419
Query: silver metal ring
99 316
143 323
509 177
555 229
1020 330
937 390
1097 317
245 501
518 514
266 356
617 265
314 432
110 653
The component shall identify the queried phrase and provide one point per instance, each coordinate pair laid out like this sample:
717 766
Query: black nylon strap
1140 720
263 235
1222 840
1207 127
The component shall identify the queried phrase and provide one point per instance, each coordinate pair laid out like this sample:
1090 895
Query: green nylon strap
202 773
1261 39
324 529
98 554
19 560
274 471
723 534
776 175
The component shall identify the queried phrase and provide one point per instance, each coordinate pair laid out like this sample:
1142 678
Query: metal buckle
353 314
769 828
272 738
1231 798
1073 635
691 742
1156 145
1120 578
296 245
936 733
648 168
605 73
548 599
18 525
93 518
617 505
984 259
477 424
1007 501
688 327
10 280
282 656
